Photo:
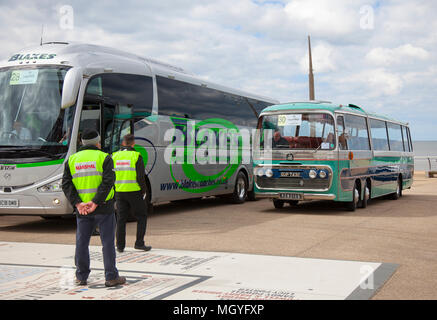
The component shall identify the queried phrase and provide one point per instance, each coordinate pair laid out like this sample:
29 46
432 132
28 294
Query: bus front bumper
42 204
305 196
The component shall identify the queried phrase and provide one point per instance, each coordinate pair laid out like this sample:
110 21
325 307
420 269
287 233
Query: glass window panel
358 137
395 137
185 100
378 130
409 140
301 131
341 134
30 115
405 139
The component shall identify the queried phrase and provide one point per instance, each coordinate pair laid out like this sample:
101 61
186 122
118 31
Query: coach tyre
366 195
279 204
398 193
352 205
240 189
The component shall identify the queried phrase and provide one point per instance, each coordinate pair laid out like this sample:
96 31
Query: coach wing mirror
70 88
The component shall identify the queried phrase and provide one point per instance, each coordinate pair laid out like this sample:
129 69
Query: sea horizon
423 148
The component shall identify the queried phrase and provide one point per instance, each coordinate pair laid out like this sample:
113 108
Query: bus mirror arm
70 88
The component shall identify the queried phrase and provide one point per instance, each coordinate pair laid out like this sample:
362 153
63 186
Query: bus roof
327 106
95 59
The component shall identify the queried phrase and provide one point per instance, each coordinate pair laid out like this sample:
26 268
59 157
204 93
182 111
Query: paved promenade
401 234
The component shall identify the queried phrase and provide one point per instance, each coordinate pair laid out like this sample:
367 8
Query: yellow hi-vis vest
86 168
125 171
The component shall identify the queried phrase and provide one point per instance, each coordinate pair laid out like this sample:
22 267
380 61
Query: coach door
343 155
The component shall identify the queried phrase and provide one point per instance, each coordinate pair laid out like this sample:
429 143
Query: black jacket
108 179
140 170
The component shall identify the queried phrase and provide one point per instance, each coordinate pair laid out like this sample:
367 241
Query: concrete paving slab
46 271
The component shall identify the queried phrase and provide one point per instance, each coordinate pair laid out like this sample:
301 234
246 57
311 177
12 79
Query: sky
373 53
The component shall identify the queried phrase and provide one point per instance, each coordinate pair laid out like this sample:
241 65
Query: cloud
323 17
382 82
400 55
324 57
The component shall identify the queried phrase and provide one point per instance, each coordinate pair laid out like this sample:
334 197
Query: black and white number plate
290 174
290 196
8 203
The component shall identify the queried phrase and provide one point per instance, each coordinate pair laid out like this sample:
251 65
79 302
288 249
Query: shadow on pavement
406 207
39 225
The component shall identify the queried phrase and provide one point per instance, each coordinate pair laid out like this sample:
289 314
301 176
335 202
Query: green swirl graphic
192 174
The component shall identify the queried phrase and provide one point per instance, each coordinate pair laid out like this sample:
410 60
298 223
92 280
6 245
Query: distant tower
42 32
310 75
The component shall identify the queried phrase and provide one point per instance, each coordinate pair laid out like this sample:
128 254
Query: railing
431 160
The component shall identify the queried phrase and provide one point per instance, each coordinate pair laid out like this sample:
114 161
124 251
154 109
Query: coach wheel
279 204
366 196
240 189
353 204
398 193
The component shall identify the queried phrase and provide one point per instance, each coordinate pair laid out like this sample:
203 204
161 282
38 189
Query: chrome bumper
306 196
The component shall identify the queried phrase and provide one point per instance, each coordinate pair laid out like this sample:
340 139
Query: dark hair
129 139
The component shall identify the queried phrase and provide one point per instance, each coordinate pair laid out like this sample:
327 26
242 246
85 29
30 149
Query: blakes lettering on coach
32 56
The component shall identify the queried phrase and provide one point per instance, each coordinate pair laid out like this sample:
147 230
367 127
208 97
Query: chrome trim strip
306 196
290 166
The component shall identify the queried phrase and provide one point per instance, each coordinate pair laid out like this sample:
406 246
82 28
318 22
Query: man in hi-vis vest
130 190
88 184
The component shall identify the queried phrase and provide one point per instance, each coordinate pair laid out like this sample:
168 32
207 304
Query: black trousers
127 201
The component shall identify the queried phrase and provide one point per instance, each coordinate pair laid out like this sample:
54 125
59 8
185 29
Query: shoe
120 249
144 248
115 282
80 282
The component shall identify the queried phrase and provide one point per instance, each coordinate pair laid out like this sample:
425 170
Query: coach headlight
54 186
313 174
260 172
322 174
269 173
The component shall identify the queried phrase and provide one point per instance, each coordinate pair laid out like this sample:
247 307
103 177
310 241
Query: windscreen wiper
282 146
39 152
43 153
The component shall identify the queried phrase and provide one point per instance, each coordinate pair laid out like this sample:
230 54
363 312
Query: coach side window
133 93
174 98
379 135
395 137
342 141
410 140
405 139
358 135
181 99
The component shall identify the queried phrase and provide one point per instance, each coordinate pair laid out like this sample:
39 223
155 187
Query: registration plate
290 174
290 196
8 203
